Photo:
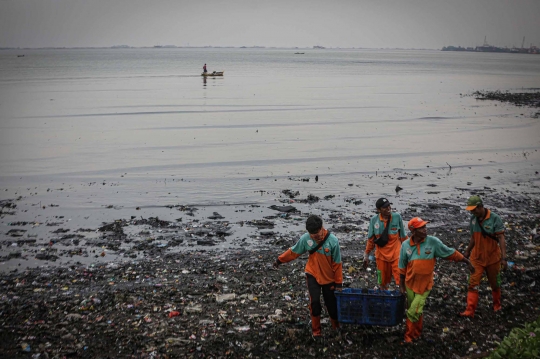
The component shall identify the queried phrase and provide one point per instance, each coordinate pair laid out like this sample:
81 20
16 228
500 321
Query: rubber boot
316 326
472 302
418 327
336 329
496 300
409 331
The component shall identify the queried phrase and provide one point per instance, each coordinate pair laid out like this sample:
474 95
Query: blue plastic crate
370 307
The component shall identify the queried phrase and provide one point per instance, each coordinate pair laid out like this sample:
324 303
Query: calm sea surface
141 126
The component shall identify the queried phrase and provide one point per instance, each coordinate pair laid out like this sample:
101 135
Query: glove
365 264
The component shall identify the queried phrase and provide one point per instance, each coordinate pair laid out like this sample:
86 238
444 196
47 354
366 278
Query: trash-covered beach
210 301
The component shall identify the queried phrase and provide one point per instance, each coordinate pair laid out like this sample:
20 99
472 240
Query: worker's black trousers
314 290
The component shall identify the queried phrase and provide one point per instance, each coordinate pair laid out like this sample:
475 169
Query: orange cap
416 222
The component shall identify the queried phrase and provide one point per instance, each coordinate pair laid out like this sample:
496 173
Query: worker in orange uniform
323 270
487 252
386 233
417 260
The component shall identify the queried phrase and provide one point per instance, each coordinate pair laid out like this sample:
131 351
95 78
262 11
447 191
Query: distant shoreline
213 47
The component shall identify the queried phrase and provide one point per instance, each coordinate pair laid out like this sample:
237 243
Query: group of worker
410 261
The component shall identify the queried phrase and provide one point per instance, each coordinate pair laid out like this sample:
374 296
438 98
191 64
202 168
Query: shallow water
91 136
144 122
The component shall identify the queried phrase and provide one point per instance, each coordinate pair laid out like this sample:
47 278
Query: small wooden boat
215 73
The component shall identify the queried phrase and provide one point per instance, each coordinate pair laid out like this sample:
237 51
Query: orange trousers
385 270
493 274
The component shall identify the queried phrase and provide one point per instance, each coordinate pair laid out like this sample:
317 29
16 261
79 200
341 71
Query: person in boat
386 233
417 259
323 270
487 251
204 68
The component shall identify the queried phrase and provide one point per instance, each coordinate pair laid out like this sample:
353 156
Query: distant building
490 48
459 48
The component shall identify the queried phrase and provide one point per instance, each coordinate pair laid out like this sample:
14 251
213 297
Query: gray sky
280 23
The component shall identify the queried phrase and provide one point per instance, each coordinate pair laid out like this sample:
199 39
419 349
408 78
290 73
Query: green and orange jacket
396 235
486 251
417 261
325 264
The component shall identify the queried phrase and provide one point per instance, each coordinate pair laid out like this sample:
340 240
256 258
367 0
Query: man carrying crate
417 260
323 270
386 233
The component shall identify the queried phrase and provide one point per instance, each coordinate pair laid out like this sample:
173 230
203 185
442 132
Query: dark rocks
206 243
286 209
21 242
60 230
154 222
444 206
20 223
344 229
290 193
222 233
190 211
310 199
216 216
261 224
46 257
529 99
354 201
16 232
6 207
116 226
13 255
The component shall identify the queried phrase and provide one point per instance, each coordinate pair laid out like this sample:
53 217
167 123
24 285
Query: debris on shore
526 99
155 302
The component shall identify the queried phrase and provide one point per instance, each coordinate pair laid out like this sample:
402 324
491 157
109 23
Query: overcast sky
280 23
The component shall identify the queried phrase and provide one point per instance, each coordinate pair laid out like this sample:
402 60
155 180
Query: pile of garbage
232 304
527 99
219 302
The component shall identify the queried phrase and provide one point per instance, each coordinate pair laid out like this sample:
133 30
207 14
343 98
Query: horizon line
211 46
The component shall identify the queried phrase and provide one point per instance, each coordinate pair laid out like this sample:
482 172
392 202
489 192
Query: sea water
84 128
